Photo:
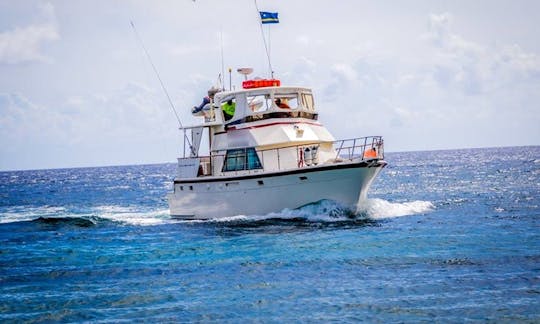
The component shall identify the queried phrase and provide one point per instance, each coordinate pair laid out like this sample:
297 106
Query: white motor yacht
272 154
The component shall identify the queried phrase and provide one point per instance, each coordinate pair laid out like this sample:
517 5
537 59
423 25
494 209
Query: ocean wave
26 214
70 221
58 221
134 216
86 216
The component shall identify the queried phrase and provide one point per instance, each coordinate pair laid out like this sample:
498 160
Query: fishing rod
162 85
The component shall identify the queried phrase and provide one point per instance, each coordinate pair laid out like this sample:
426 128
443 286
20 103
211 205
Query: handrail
353 149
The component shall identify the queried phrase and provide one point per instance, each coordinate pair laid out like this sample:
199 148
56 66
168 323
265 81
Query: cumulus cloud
342 76
344 72
475 68
451 84
90 130
439 25
302 72
24 44
423 79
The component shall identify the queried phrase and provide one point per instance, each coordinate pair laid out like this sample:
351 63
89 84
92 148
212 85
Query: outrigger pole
264 40
162 86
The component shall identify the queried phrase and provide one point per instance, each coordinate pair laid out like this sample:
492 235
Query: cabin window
286 101
258 103
307 99
241 159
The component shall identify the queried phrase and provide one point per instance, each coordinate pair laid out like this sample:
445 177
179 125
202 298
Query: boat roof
220 96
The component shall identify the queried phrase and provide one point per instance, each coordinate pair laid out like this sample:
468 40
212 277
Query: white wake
331 211
322 211
134 216
380 209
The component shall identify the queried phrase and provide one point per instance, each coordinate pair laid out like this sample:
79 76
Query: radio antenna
222 61
161 83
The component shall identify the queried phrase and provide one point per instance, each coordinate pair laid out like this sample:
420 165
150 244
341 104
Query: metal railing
370 147
355 149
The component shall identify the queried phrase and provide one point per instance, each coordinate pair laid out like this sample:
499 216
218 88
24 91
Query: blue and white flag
269 17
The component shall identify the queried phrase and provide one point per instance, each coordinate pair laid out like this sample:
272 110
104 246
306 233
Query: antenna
161 83
230 79
222 60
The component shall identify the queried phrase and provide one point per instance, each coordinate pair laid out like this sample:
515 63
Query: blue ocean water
447 236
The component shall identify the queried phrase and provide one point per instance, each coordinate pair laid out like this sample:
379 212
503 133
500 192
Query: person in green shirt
228 109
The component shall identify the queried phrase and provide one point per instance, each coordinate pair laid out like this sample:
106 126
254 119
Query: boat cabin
263 127
261 103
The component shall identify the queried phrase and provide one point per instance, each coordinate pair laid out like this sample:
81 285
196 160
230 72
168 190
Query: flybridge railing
250 161
370 147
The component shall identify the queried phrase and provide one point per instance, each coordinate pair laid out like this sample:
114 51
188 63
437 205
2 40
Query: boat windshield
258 104
286 101
264 102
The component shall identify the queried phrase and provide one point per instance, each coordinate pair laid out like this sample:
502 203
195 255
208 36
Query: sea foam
134 216
331 211
380 209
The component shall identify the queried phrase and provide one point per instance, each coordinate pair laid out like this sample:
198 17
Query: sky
76 89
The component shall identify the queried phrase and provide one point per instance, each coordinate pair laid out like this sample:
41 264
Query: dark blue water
446 236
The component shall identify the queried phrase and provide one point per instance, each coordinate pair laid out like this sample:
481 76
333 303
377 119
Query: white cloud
476 68
453 84
302 72
24 44
344 71
420 80
439 25
131 124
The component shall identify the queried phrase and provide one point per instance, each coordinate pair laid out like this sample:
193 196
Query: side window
241 159
234 160
259 103
253 161
307 100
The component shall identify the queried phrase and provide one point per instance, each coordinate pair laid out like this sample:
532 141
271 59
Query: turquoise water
444 236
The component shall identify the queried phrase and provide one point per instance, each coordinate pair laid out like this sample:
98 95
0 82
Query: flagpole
270 50
264 40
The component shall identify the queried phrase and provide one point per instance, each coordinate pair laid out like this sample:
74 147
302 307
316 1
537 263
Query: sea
444 236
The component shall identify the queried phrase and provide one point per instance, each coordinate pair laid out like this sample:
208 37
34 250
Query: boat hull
263 193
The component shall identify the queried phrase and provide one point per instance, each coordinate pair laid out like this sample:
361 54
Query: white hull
263 193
